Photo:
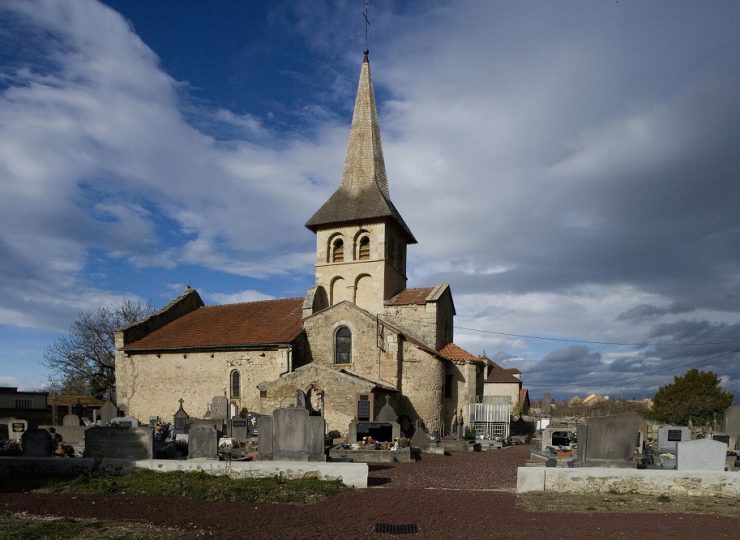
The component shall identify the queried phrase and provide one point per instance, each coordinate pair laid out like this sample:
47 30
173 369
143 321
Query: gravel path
463 495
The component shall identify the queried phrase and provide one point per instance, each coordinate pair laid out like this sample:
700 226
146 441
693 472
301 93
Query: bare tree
83 361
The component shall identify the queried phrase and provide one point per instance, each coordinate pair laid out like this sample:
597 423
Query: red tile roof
410 296
502 375
232 325
457 354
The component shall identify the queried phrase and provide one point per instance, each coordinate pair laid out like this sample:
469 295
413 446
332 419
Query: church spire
363 192
364 164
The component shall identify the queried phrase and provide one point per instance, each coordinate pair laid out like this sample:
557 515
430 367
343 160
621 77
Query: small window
23 404
343 346
337 251
364 248
235 384
448 386
263 393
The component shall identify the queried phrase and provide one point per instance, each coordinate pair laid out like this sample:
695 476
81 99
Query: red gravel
452 496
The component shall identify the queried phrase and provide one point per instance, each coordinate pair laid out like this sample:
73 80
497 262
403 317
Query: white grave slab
701 455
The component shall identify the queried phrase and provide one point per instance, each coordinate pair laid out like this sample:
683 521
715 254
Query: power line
573 340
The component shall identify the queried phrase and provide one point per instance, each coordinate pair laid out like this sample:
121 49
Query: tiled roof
502 375
410 296
457 354
232 325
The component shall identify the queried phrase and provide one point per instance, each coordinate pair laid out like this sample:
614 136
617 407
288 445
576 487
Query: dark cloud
647 311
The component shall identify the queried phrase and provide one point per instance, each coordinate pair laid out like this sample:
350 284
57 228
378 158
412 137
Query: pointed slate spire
363 191
364 163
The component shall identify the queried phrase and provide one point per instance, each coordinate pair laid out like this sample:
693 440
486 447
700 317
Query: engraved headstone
608 441
264 430
202 441
108 412
670 436
36 443
239 428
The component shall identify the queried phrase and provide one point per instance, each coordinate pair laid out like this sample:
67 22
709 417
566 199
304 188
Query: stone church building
357 338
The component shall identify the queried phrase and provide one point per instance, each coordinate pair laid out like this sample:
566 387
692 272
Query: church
359 337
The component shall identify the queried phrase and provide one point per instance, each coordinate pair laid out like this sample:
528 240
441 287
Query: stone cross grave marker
181 419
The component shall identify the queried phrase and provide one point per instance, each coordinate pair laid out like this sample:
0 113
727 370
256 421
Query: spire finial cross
367 23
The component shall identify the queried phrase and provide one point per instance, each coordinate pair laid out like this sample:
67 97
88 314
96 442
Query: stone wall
422 382
647 482
150 384
340 393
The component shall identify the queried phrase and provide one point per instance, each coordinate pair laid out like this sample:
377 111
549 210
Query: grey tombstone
670 436
608 441
264 432
4 434
546 402
239 428
289 435
108 412
202 441
71 420
114 442
701 455
36 443
731 424
316 431
421 439
219 408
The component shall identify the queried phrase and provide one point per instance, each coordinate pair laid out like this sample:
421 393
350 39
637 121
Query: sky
571 169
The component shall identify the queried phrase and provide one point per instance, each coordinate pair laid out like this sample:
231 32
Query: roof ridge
292 299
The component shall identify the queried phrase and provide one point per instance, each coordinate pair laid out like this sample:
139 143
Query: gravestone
108 412
264 431
421 439
16 428
608 441
557 436
546 403
701 455
239 428
71 420
731 424
4 435
202 441
115 442
181 419
36 443
125 422
384 428
219 408
670 436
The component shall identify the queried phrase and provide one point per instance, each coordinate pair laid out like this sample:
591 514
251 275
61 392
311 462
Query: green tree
83 361
695 396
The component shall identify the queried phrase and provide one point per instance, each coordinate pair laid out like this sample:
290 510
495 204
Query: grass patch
203 486
27 527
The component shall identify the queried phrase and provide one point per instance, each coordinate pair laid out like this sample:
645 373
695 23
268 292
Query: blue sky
570 168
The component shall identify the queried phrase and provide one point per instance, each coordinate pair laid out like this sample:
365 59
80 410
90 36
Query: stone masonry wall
150 385
422 383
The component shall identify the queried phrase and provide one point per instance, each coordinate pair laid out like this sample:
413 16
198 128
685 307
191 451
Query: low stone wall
56 466
402 455
351 474
646 481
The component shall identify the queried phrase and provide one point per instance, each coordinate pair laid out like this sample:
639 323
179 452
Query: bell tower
361 238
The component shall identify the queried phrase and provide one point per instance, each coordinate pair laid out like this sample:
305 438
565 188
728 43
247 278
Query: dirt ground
463 495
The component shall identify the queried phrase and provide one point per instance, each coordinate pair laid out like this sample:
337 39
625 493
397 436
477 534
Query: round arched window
337 251
343 346
364 251
235 384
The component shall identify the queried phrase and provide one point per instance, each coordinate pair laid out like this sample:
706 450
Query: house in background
504 385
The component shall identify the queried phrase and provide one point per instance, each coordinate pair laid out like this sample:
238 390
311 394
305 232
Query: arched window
364 252
343 346
236 386
337 251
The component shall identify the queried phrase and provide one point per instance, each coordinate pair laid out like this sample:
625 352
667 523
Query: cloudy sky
572 169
